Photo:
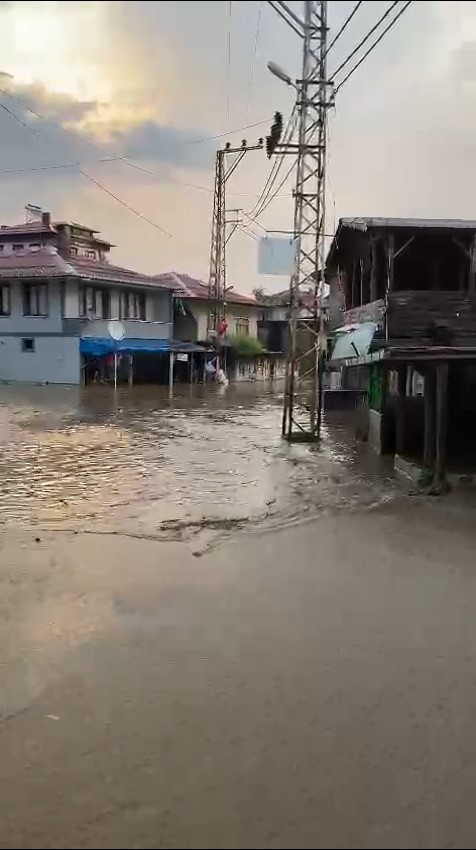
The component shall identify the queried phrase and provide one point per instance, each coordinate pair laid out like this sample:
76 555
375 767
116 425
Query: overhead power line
374 45
344 26
271 198
255 52
366 38
287 16
277 163
230 13
124 204
85 141
12 114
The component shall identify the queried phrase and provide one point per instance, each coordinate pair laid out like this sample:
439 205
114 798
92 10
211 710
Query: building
274 316
409 335
192 307
58 294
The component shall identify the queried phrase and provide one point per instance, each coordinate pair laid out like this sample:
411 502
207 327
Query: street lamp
278 72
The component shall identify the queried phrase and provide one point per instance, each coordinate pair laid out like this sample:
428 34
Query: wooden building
412 282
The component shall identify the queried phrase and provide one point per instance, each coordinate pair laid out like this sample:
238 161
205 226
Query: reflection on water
139 463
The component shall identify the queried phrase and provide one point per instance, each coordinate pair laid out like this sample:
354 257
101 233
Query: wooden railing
438 316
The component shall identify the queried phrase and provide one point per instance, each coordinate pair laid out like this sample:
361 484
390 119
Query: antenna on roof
32 213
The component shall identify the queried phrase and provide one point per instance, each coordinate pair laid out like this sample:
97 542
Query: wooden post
115 370
353 294
373 268
191 367
361 265
441 420
171 372
435 274
430 411
131 370
400 429
472 267
390 261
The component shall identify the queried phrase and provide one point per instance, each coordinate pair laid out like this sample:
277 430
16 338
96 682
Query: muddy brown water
203 463
309 687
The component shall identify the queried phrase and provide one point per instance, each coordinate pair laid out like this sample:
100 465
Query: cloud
70 121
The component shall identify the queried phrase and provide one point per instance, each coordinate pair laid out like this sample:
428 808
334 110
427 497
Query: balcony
447 317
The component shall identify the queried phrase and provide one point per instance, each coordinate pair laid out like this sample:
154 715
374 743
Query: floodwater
197 465
308 681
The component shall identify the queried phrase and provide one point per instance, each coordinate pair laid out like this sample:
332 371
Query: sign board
182 358
276 255
372 312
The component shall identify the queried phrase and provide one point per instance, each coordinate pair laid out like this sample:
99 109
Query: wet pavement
309 681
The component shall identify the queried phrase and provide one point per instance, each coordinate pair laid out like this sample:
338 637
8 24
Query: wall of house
55 356
16 322
133 329
159 310
55 359
199 310
30 245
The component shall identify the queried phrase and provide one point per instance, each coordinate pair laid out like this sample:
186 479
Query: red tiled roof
185 286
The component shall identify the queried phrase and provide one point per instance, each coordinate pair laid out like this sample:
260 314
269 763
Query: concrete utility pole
313 101
217 274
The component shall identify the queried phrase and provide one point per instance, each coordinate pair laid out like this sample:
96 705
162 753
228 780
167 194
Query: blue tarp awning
100 346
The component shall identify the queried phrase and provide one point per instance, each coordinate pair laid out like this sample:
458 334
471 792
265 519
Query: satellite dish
116 330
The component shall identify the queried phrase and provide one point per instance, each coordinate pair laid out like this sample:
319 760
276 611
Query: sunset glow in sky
151 78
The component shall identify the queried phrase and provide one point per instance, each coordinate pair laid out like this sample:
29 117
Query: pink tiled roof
185 286
39 227
44 264
31 227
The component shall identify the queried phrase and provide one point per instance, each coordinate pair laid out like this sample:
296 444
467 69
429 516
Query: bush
246 346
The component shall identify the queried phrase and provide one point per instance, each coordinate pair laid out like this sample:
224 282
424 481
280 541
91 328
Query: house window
1 248
73 250
93 303
4 299
242 327
132 305
34 246
28 344
18 246
35 299
91 255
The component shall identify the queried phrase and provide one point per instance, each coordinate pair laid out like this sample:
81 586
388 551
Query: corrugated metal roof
363 223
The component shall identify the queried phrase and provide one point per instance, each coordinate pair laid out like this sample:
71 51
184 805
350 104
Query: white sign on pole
276 255
182 358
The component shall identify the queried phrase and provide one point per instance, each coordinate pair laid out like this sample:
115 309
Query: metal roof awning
101 346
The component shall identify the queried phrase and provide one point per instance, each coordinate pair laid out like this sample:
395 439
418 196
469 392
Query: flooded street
309 680
142 464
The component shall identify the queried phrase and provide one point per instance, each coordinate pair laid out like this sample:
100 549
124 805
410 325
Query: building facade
192 308
58 294
409 334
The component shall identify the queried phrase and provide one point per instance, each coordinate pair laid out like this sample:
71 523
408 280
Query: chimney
46 219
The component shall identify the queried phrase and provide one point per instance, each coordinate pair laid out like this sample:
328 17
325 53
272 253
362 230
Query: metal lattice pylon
217 274
303 391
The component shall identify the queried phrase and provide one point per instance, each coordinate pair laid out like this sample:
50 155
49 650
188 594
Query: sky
153 81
